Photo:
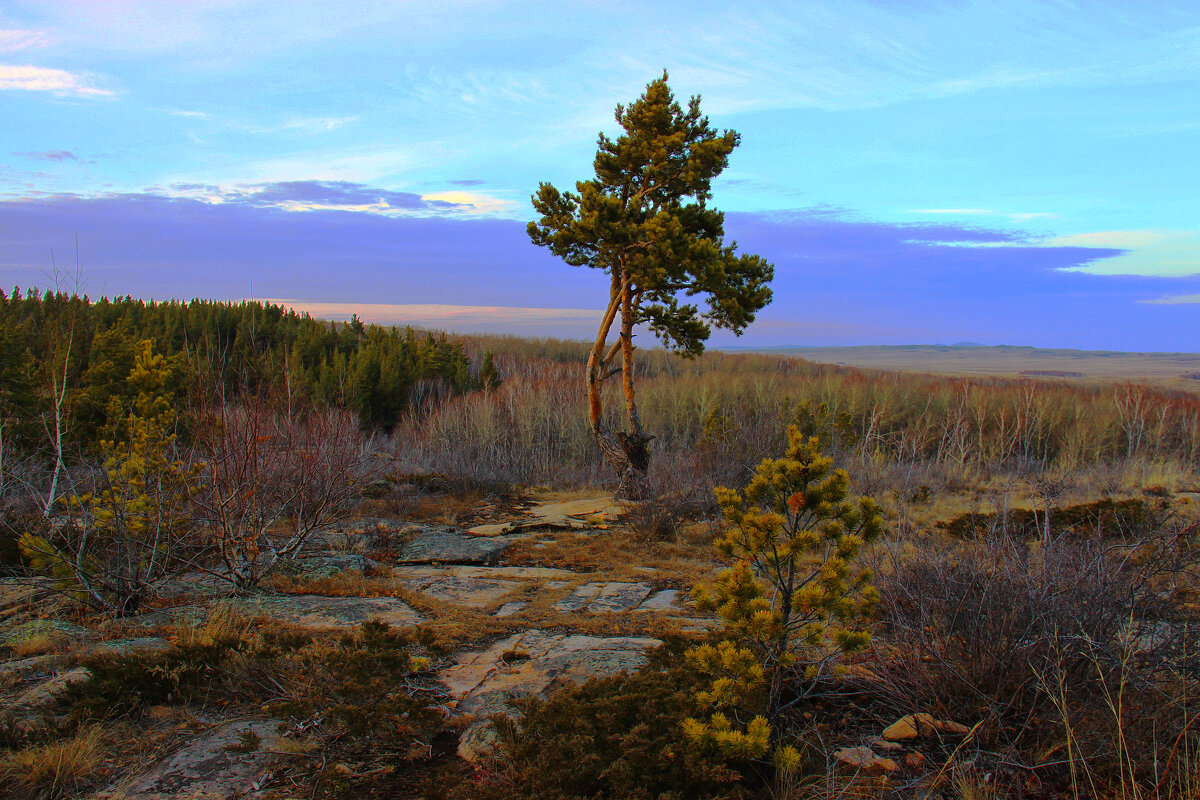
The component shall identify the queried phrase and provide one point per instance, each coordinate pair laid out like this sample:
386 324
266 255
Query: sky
1017 173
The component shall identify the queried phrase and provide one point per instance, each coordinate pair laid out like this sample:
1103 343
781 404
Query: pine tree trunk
627 453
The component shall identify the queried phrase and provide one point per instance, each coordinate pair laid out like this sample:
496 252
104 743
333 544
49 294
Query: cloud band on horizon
840 280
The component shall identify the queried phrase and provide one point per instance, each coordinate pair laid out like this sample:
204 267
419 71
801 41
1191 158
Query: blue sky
1019 172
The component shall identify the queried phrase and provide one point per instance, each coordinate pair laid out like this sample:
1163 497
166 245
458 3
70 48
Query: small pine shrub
792 601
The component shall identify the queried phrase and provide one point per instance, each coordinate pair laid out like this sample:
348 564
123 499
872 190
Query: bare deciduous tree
270 480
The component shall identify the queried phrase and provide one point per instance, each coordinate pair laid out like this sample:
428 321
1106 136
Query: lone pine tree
645 221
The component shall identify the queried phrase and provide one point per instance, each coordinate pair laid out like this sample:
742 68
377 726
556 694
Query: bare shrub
1012 633
270 479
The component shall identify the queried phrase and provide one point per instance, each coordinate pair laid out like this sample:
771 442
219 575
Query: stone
351 534
12 672
18 594
330 564
530 664
317 612
865 761
666 600
913 726
447 546
217 766
469 571
463 591
582 513
49 692
494 529
604 598
51 628
952 728
914 760
508 609
886 746
194 584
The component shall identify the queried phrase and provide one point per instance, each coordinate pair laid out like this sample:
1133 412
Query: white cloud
300 124
43 79
475 202
317 124
1019 216
1166 253
12 40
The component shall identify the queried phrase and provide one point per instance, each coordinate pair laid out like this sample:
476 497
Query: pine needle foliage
128 532
646 221
792 602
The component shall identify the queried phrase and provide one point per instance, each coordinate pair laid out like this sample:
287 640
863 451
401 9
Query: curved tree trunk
627 452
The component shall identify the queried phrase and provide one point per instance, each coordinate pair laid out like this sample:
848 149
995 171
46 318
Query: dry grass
533 430
223 623
53 770
615 555
39 645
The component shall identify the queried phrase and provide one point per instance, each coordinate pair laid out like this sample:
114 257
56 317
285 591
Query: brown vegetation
1038 583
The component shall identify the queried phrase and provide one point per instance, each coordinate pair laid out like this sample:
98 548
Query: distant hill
965 358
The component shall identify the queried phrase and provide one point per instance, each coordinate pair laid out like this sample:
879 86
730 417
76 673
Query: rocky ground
540 623
502 600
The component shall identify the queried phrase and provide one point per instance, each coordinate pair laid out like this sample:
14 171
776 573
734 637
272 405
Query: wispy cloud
1019 216
44 79
314 195
1167 253
299 124
474 201
52 155
12 40
1175 300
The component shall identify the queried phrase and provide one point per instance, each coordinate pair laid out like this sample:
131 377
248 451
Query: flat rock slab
49 692
20 594
194 584
350 534
447 546
317 612
588 512
666 600
53 628
508 609
605 598
217 766
12 672
331 564
531 664
462 591
489 573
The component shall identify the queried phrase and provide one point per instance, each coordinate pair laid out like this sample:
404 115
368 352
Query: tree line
63 355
